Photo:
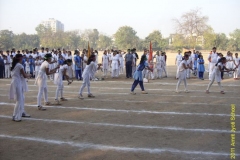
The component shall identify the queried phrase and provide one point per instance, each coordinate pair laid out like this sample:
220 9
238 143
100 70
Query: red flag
150 53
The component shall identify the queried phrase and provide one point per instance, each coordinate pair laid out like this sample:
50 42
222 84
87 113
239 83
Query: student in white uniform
219 67
178 60
183 66
110 58
105 63
163 65
41 81
7 67
69 70
37 66
121 67
190 63
17 88
115 63
62 71
212 58
88 72
27 68
158 65
237 67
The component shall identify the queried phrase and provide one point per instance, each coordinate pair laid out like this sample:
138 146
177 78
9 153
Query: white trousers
19 106
86 82
159 73
44 91
179 82
59 90
211 69
164 70
115 73
236 73
7 71
211 82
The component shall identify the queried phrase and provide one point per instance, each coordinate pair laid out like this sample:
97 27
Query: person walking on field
129 63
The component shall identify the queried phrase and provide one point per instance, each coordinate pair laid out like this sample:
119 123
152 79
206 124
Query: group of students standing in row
217 66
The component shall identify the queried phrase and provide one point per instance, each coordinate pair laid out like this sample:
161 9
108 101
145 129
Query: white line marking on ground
126 111
128 126
115 148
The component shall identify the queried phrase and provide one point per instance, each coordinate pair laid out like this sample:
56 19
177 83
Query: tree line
192 31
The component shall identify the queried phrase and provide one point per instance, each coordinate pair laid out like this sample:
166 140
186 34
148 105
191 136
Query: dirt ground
115 125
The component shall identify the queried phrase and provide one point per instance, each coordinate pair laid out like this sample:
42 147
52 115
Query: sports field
115 125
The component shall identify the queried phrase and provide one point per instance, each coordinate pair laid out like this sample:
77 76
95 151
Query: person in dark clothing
129 63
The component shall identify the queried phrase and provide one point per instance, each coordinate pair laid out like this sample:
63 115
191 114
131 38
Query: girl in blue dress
201 68
138 77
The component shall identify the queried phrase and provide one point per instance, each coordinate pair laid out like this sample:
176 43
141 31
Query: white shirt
179 57
214 57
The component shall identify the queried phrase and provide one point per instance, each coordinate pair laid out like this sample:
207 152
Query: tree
104 42
221 41
178 41
192 25
234 42
25 41
158 43
209 38
6 37
46 36
126 37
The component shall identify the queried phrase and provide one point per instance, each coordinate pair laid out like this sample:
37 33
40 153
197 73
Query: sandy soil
116 125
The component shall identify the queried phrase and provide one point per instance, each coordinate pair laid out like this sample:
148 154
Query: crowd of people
58 65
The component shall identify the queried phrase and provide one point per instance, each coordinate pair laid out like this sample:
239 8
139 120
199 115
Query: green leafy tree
25 41
104 42
234 41
221 41
6 37
156 39
209 38
126 37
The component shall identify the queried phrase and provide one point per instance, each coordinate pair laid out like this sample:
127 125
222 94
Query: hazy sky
108 15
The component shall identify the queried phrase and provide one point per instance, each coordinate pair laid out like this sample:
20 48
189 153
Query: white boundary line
126 111
128 126
128 93
160 96
153 82
115 148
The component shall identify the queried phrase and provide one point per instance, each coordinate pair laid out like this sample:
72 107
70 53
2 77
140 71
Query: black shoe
26 115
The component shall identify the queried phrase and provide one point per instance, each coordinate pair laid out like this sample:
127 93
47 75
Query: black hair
90 59
143 58
48 55
220 60
67 61
16 60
